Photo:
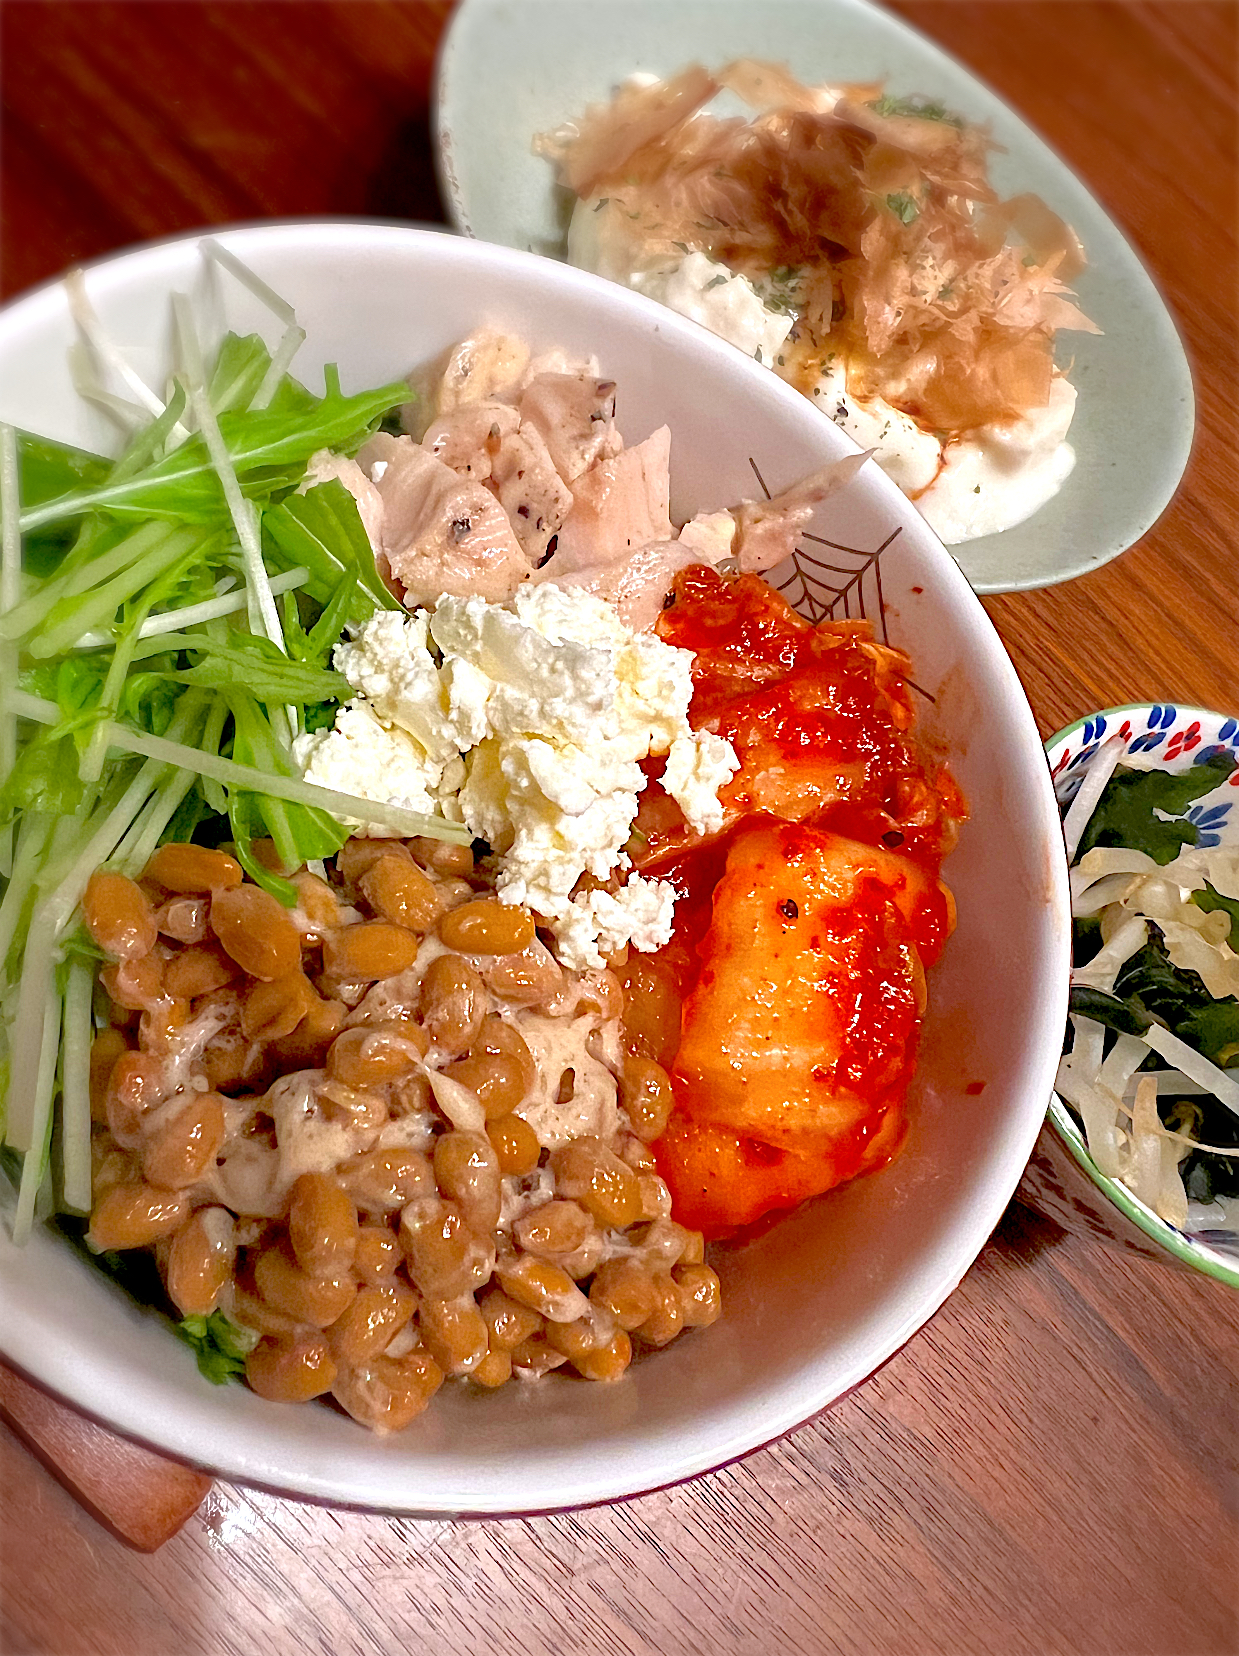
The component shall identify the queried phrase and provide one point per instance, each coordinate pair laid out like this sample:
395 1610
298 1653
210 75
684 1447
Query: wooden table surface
1050 1465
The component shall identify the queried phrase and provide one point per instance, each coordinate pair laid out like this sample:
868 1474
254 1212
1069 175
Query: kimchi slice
804 927
820 718
800 1032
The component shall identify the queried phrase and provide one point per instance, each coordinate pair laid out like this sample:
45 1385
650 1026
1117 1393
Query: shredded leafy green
241 366
46 470
322 530
120 738
269 450
220 1345
904 206
50 469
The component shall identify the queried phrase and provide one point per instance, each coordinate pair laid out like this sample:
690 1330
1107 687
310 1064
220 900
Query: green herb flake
903 206
780 290
914 108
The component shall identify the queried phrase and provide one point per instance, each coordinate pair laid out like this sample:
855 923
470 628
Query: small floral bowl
1163 736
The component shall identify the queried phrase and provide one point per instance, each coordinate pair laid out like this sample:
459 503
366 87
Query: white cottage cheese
359 750
641 913
390 665
528 722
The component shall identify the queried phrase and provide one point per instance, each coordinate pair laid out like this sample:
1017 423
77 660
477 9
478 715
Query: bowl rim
806 1393
1199 1255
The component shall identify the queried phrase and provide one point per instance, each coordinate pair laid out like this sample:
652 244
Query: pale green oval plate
511 68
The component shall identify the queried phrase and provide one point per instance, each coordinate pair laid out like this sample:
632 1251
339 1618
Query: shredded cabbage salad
166 626
1152 1063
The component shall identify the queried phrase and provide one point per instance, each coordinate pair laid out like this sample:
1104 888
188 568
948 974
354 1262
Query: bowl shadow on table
1022 1236
402 183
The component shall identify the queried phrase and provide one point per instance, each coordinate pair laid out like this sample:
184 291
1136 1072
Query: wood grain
1050 1466
143 1498
1161 622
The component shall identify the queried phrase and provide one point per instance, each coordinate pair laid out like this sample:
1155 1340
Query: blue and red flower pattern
1171 734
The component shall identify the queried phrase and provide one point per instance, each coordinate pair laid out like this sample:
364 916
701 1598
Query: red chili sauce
801 1006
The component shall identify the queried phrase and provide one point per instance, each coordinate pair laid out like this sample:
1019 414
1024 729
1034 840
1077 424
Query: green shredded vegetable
1144 811
167 621
220 1345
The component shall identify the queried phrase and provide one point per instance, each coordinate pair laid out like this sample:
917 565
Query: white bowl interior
817 1303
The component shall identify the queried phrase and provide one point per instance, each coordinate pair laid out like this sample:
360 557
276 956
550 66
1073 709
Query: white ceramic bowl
817 1303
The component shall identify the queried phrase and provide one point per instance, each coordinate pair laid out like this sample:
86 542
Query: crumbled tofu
726 303
903 450
1002 473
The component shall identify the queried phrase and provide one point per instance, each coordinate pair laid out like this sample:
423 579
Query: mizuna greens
167 620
